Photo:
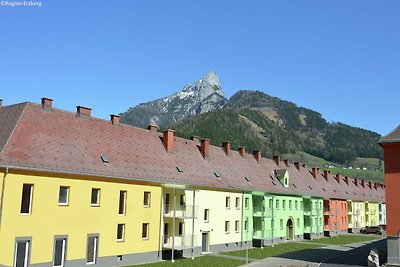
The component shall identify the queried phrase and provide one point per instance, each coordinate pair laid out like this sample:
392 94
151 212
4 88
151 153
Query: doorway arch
290 229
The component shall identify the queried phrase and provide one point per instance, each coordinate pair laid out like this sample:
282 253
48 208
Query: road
335 255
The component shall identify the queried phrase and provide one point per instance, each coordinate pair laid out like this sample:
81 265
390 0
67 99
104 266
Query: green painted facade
313 217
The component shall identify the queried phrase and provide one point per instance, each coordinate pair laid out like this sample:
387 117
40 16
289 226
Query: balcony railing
180 242
181 211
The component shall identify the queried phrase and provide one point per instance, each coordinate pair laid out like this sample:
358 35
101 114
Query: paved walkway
329 256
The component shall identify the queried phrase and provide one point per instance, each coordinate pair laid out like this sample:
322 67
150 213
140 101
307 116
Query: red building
391 148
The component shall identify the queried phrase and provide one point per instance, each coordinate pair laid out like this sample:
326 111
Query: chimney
227 147
152 128
346 179
314 172
326 175
376 185
338 178
195 138
242 150
277 159
382 186
83 111
297 165
257 155
1 103
286 161
168 140
370 184
114 119
47 102
356 181
304 165
205 148
362 183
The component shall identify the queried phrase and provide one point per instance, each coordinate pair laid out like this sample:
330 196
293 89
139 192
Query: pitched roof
53 140
392 137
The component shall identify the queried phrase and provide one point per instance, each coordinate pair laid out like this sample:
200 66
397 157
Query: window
182 202
21 258
298 222
227 224
270 203
237 226
296 204
63 195
281 224
206 215
120 232
227 202
95 198
316 221
284 204
59 251
290 204
277 204
301 204
237 203
180 229
146 199
145 231
26 201
91 252
272 223
122 202
246 225
320 221
246 202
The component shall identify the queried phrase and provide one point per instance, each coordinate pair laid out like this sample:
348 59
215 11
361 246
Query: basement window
104 159
179 169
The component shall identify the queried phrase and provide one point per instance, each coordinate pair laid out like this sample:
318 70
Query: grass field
198 261
258 253
342 239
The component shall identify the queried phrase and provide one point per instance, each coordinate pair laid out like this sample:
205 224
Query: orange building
391 148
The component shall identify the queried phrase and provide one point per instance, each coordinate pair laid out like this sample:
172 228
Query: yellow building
96 219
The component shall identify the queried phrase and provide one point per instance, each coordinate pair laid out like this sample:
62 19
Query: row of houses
80 190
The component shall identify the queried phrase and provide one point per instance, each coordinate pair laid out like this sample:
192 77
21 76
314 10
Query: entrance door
165 233
204 242
167 206
21 254
289 230
59 252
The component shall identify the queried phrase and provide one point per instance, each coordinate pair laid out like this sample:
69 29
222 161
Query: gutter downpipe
262 221
2 195
193 211
173 229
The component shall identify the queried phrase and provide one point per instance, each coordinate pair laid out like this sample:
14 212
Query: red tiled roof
53 140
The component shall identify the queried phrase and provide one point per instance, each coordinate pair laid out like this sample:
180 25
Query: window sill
121 215
25 214
95 205
145 238
120 240
63 204
146 206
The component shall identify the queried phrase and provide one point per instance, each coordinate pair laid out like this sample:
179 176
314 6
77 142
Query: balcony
180 242
181 212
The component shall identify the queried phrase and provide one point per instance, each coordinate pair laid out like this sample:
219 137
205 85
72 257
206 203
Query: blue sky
340 58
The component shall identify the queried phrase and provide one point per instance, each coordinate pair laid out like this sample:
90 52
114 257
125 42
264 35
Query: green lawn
198 261
342 239
258 253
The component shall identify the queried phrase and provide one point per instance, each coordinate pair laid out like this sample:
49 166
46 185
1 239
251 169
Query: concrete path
329 256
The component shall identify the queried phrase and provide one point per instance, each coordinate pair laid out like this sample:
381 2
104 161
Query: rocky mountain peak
202 96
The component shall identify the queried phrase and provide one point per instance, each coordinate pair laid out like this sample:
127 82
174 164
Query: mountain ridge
255 120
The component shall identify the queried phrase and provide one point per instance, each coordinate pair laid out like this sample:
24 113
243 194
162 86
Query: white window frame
237 226
147 231
27 249
97 204
95 247
146 205
227 227
64 249
67 199
122 239
228 203
125 194
30 200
